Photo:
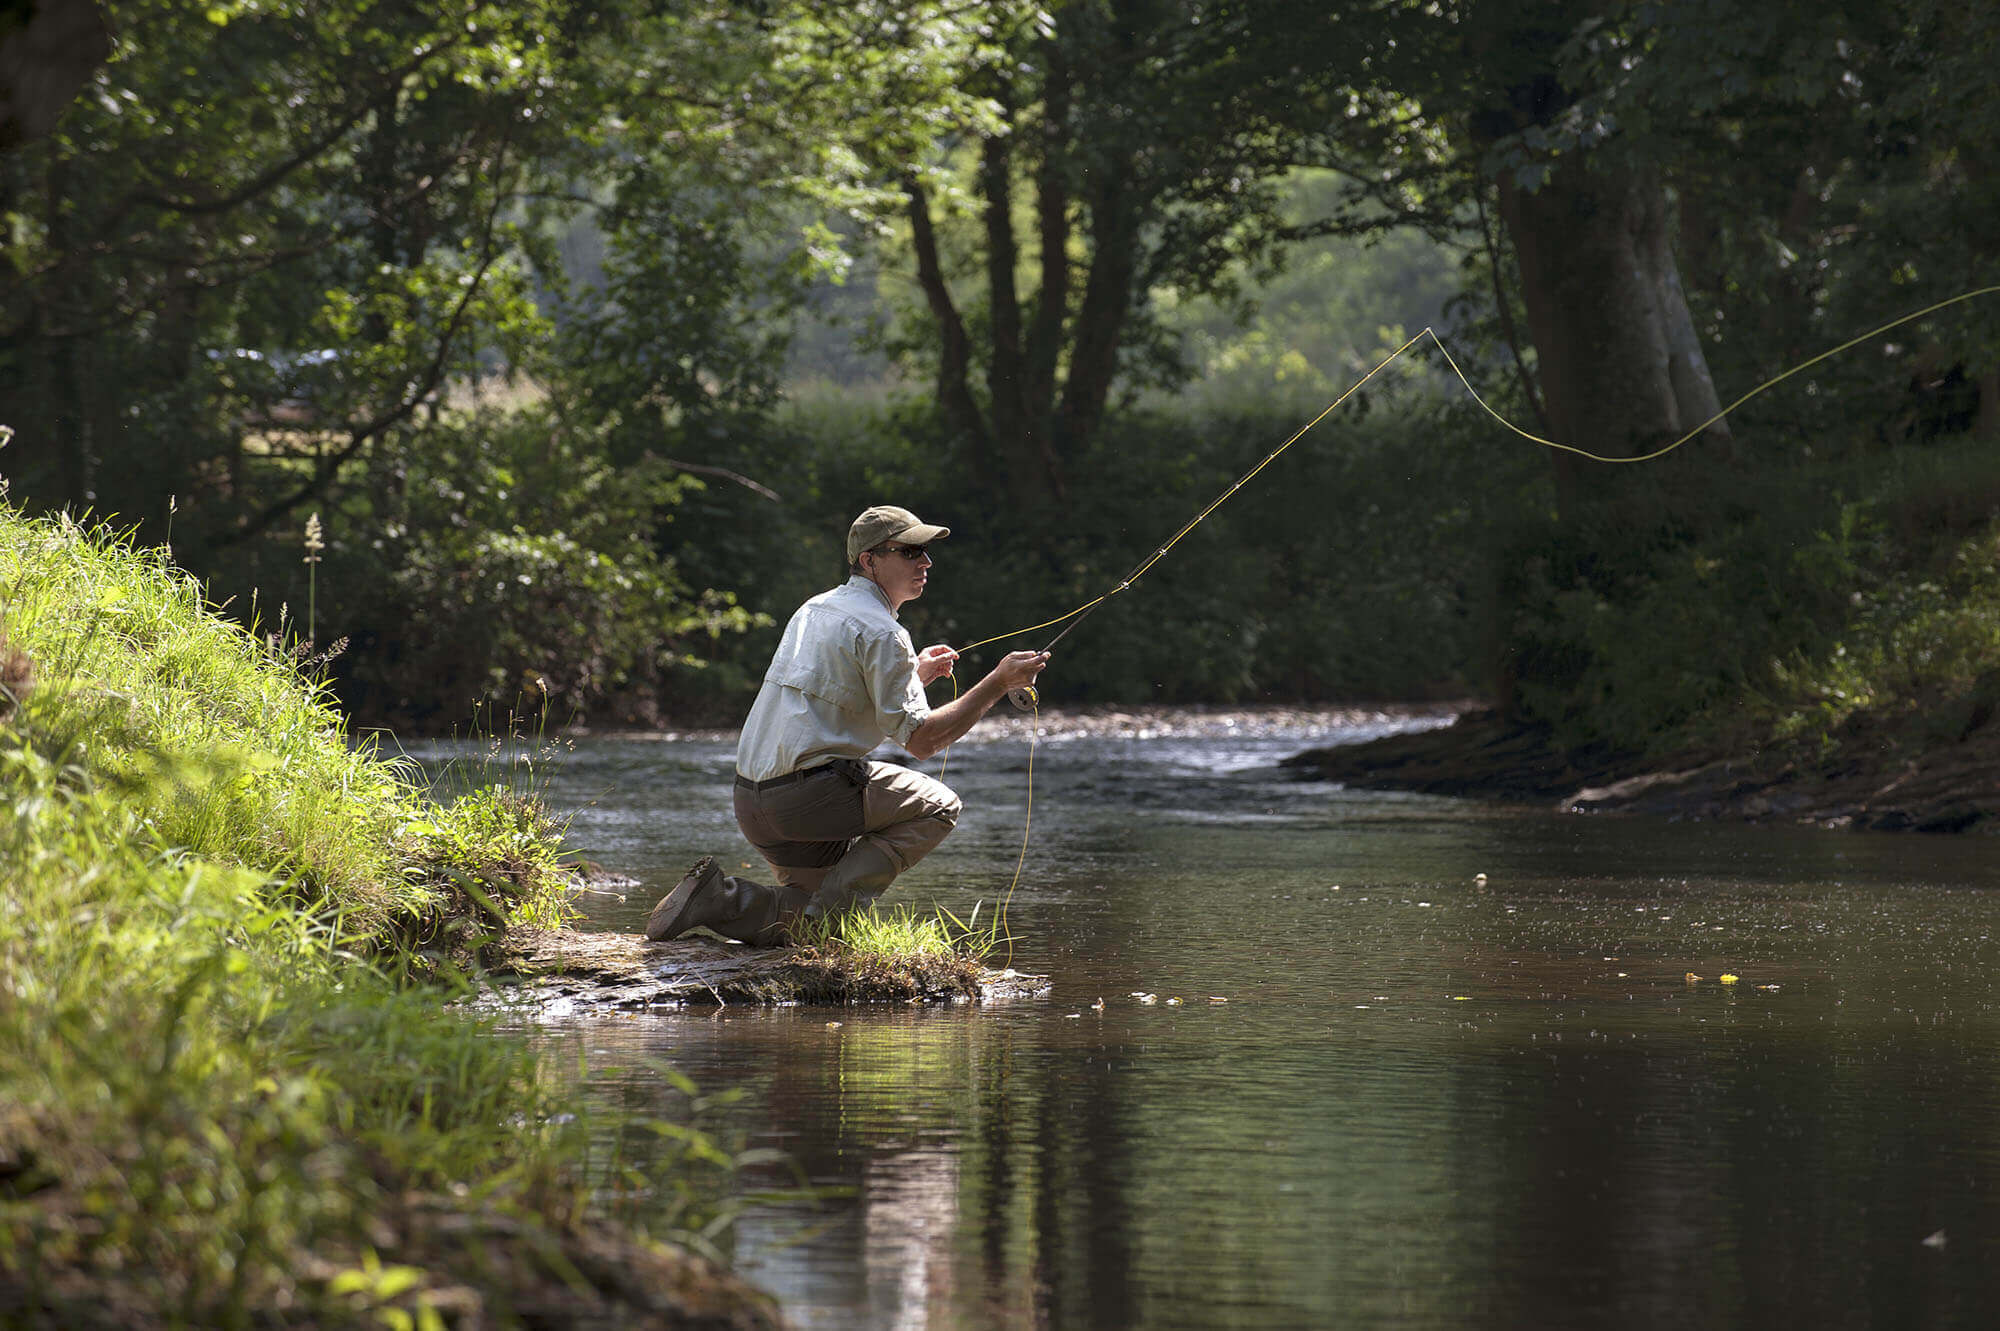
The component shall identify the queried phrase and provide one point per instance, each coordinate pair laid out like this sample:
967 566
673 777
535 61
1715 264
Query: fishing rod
1026 697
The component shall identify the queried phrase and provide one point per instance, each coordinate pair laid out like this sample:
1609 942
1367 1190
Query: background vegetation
584 329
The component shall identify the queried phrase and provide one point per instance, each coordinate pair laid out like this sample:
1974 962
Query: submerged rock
568 970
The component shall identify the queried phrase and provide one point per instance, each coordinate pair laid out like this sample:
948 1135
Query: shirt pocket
821 670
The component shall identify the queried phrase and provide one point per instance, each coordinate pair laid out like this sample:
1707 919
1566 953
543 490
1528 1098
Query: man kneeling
835 827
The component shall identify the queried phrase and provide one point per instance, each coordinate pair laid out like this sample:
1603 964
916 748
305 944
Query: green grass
232 1078
900 952
902 933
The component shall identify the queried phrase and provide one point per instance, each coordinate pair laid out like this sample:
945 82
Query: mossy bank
231 1090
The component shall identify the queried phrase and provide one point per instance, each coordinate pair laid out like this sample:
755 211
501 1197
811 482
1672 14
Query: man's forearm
947 723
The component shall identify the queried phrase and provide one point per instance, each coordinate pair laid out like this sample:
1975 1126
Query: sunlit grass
224 1085
900 952
871 934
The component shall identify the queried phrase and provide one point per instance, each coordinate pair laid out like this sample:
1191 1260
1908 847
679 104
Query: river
1407 1061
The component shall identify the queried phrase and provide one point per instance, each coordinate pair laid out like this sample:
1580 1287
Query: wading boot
695 901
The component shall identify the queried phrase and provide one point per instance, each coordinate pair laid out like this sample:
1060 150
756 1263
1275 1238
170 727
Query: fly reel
1024 697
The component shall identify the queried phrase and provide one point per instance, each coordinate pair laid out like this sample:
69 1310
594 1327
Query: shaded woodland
523 311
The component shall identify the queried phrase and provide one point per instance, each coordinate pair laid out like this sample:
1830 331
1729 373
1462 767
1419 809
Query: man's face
899 570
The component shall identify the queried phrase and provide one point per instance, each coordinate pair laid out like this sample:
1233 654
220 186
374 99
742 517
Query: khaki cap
886 522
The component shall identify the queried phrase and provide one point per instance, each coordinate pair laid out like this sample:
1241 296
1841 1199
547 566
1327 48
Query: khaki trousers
835 838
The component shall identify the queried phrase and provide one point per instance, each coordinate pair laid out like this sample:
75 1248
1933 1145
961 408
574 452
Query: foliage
1812 593
213 1110
513 560
267 266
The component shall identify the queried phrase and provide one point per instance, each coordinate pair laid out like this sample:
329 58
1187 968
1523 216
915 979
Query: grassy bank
231 1089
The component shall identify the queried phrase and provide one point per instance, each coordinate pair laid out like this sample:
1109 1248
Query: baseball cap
886 522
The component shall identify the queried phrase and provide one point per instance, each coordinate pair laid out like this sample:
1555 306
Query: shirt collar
881 596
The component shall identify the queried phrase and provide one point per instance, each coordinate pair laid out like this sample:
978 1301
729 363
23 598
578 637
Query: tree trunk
1034 473
1621 364
954 389
1107 299
1045 333
48 52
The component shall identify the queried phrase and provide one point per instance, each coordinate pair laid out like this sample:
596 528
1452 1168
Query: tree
48 51
1142 144
248 184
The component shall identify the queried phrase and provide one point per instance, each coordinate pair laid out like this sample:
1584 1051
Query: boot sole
663 924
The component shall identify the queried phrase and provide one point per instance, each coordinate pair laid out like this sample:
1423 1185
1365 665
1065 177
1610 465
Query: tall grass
223 1100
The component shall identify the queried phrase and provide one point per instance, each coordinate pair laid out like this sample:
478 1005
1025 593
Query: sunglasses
910 552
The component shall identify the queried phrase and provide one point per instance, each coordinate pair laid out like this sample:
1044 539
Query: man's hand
948 722
1018 668
934 663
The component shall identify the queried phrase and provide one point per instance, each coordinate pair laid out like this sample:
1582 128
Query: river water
1372 1088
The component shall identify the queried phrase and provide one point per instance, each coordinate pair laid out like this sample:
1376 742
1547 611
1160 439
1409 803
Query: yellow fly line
1072 617
1362 382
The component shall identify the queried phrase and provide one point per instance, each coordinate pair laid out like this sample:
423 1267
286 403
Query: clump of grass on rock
871 954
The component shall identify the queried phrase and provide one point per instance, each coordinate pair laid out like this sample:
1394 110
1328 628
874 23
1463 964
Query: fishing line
1028 699
1126 582
1027 819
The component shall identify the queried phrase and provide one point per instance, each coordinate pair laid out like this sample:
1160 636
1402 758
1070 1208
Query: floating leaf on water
1098 1006
1173 1002
1692 978
1935 1240
1461 998
1772 987
1071 1016
1147 998
833 1025
1217 998
1730 979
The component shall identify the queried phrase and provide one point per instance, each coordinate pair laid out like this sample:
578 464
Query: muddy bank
565 971
1930 774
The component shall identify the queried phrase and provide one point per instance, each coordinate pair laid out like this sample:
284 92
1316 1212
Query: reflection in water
1427 1101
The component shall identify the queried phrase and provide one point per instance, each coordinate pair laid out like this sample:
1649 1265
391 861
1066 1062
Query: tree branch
954 360
414 395
701 469
1506 311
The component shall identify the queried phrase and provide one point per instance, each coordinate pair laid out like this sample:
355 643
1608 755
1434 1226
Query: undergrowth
231 1077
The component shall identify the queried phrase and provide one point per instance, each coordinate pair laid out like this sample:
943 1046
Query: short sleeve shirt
844 678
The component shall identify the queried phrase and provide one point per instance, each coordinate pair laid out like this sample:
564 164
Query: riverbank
1932 771
235 1089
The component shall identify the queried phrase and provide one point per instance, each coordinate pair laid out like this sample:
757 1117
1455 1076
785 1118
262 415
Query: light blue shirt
844 678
